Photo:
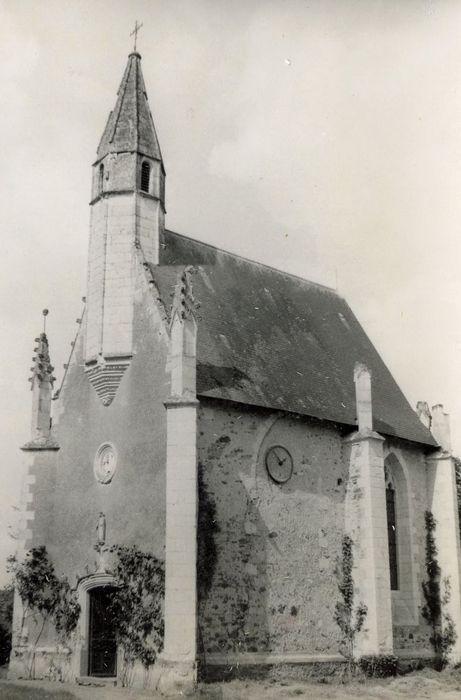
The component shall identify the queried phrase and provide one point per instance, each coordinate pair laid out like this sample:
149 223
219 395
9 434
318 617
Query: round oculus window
279 464
105 463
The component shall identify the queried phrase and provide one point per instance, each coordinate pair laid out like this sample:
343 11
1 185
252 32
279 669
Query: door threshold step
96 681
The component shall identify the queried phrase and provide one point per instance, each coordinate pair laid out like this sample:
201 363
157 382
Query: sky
322 137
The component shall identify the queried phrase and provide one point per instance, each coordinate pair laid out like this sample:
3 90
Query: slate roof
267 338
130 126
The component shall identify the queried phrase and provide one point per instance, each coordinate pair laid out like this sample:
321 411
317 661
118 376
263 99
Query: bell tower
127 212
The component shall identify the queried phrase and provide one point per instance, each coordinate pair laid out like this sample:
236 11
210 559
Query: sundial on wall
105 463
279 463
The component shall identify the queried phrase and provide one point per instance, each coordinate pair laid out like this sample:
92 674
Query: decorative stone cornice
114 193
439 456
41 443
362 436
105 376
181 402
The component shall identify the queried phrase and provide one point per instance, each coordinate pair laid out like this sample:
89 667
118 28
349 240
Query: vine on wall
349 619
45 598
6 619
437 595
457 462
137 607
207 553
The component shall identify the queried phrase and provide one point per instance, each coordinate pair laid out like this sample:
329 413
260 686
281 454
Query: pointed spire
130 126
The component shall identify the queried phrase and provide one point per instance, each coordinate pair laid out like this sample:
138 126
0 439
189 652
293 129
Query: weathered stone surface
266 574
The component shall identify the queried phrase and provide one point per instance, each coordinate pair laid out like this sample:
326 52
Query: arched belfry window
145 176
101 178
392 531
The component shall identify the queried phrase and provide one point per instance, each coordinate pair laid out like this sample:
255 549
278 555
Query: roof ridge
257 262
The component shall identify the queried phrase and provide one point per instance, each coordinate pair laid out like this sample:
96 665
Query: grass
16 692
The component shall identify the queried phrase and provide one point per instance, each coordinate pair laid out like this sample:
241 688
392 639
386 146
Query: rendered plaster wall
267 552
408 469
38 489
135 424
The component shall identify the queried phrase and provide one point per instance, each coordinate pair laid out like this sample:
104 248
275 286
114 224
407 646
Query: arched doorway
102 646
95 649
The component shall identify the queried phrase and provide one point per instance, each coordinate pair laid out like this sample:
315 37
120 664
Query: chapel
235 421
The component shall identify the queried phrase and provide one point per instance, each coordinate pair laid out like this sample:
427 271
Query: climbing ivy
437 595
45 598
207 553
457 462
137 607
349 619
6 618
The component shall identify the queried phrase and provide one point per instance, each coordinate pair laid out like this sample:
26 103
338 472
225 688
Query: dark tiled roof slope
267 338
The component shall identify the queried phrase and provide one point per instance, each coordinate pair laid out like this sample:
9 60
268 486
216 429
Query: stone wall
267 551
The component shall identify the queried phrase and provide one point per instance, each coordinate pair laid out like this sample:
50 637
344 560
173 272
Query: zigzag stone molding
106 375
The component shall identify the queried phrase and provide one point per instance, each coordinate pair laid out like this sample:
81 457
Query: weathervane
135 31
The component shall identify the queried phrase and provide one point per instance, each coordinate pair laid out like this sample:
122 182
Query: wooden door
102 644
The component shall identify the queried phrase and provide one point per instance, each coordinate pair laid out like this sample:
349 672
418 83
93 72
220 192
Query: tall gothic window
101 178
392 534
145 176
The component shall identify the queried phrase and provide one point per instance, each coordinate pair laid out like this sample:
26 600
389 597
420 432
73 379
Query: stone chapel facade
215 407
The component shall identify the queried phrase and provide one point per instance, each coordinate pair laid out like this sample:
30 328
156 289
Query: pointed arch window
145 176
101 178
392 532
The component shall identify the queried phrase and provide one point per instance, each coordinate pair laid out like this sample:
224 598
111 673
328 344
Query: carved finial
441 427
424 414
45 314
42 369
184 303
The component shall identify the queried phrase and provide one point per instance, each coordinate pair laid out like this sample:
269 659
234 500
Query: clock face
279 463
105 463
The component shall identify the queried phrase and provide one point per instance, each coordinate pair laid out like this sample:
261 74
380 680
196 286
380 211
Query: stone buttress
176 667
366 523
442 502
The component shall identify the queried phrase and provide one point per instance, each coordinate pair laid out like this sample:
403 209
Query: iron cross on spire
135 31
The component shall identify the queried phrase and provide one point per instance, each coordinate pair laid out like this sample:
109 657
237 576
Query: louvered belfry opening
145 176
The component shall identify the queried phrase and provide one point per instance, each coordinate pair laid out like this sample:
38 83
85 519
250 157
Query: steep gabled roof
130 126
269 339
